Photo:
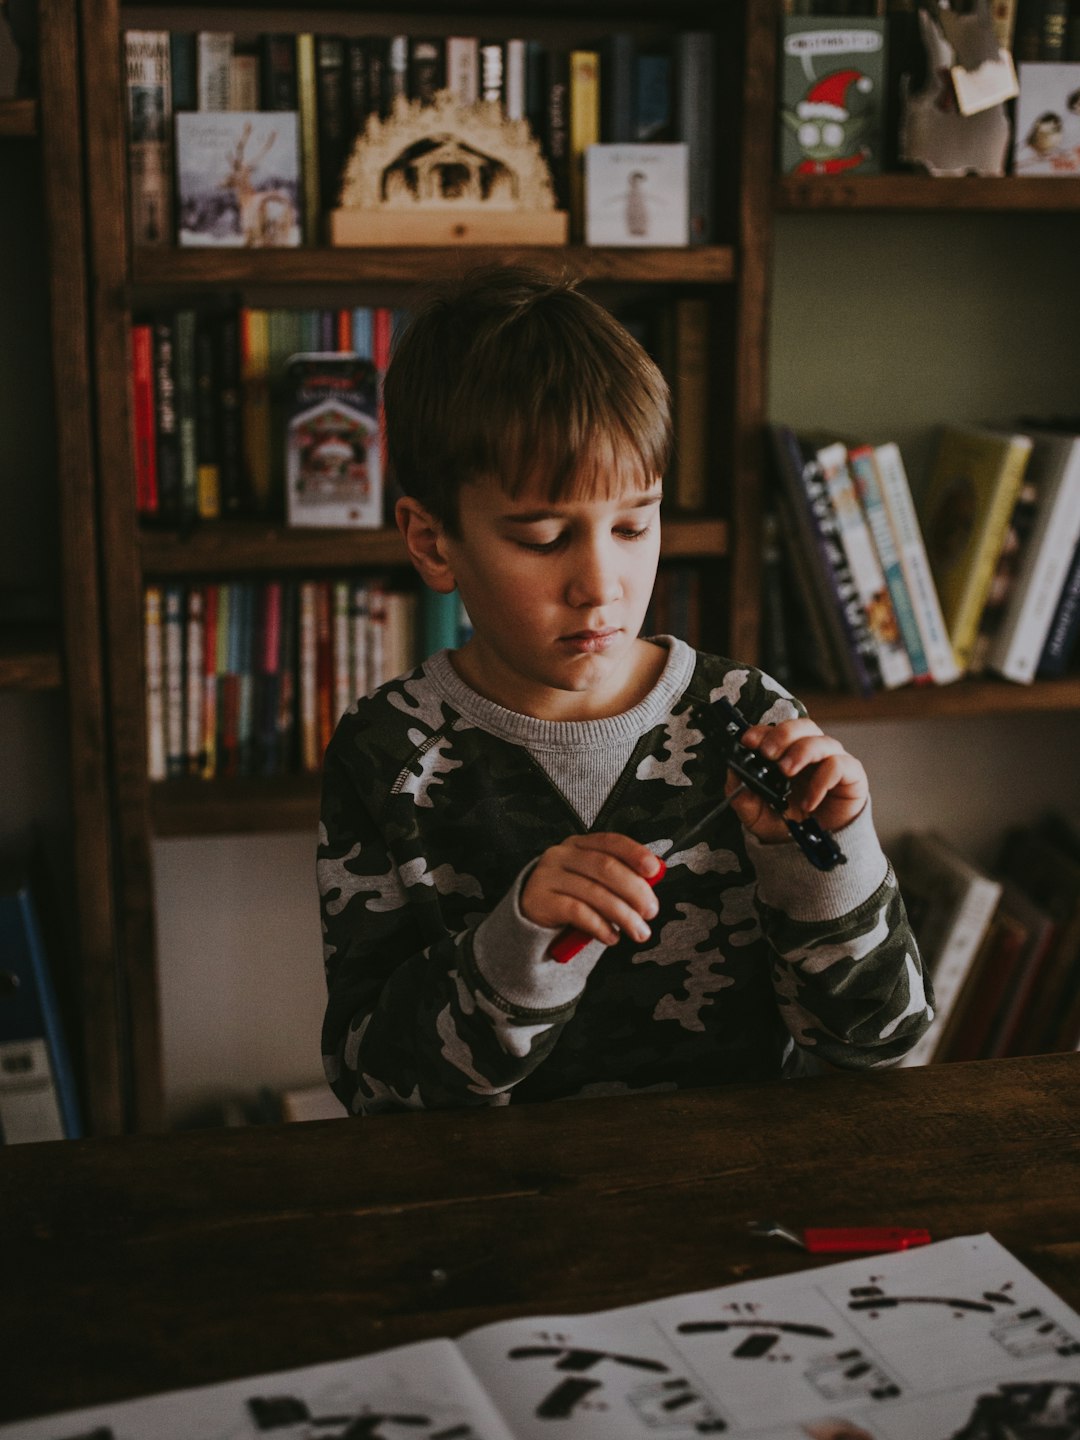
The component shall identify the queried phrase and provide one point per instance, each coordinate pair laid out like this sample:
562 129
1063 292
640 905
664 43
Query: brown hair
512 374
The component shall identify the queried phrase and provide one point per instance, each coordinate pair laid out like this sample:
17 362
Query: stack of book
251 677
1002 949
323 87
869 587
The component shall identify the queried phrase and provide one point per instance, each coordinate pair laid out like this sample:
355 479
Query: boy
527 782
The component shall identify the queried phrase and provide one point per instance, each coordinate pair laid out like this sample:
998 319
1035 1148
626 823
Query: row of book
888 84
868 586
211 400
1002 946
251 677
611 91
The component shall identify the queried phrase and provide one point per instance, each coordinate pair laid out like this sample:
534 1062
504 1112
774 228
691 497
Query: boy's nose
594 578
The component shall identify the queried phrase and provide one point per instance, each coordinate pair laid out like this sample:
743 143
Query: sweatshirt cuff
511 955
788 882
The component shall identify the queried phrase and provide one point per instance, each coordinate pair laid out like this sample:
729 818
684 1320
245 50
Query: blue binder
38 1098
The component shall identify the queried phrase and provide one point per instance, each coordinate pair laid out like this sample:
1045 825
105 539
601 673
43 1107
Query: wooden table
138 1265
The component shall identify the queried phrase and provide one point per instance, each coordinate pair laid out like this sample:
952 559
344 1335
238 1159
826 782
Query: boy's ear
423 536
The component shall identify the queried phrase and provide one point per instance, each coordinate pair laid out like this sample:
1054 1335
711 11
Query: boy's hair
513 374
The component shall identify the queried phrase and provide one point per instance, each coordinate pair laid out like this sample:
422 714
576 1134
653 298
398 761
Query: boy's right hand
593 883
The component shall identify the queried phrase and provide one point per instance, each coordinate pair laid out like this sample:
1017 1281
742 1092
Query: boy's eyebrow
530 517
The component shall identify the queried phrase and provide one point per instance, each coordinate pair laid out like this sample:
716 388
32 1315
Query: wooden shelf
926 192
237 546
30 658
965 698
246 805
18 118
170 268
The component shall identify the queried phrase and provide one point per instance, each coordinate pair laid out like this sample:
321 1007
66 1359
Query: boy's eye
542 547
627 532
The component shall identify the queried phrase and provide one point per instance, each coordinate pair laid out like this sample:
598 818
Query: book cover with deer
238 178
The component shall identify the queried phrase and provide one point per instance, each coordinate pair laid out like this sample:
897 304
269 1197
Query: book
690 398
308 121
462 60
331 115
618 65
1046 131
950 902
832 95
427 58
896 493
1054 469
238 178
864 471
1039 933
183 66
213 69
255 409
333 451
154 669
194 641
514 79
986 990
636 195
1051 878
144 427
555 136
1064 626
173 611
38 1093
277 76
207 437
707 1362
186 393
964 508
1003 582
695 123
800 475
148 93
244 86
584 128
846 618
653 95
865 565
165 417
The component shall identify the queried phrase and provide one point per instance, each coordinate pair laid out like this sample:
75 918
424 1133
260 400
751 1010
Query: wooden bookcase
64 654
734 273
731 272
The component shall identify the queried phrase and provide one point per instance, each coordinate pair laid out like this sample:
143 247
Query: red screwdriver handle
571 942
866 1238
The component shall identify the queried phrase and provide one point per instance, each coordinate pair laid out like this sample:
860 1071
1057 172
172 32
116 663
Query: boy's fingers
610 874
592 907
629 852
773 740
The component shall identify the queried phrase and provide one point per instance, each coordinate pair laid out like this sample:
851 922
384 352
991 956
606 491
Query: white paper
907 1346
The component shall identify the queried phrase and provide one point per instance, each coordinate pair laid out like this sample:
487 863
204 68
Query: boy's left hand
827 782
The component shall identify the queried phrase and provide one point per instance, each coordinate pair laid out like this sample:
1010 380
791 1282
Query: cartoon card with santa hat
833 95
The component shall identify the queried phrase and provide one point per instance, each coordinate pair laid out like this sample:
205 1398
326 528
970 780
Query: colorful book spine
255 407
186 411
1064 627
865 567
144 427
896 493
584 129
154 666
1044 563
307 104
148 75
309 709
193 666
208 740
167 431
864 472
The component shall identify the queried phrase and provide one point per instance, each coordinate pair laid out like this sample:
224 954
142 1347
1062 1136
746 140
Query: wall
881 326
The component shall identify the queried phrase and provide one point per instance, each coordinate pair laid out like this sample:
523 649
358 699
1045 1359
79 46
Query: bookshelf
731 273
50 647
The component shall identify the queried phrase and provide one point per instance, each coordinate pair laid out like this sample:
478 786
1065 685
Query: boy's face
557 594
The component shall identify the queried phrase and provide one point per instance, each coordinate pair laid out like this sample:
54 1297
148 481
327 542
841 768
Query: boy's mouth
591 640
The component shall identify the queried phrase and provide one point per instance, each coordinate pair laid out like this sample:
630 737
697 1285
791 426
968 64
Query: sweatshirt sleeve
421 1013
847 972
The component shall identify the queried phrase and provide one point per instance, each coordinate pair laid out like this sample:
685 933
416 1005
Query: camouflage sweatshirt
440 992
